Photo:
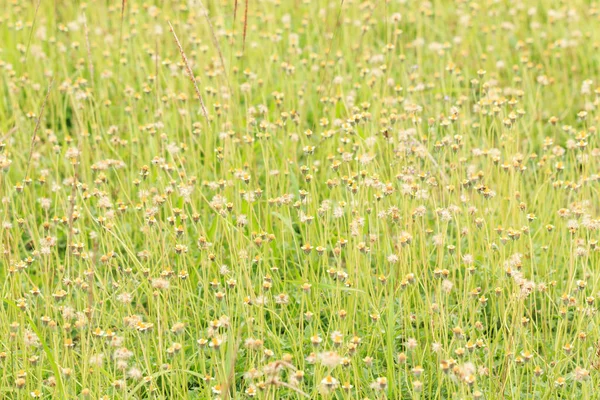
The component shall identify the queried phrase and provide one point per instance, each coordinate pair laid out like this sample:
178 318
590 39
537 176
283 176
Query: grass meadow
299 199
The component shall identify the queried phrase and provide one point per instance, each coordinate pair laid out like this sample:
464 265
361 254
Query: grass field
288 199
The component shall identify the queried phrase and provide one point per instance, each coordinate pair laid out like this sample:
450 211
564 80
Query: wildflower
379 384
329 384
329 359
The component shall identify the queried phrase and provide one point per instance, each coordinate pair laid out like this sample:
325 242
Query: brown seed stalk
189 70
37 126
215 43
245 26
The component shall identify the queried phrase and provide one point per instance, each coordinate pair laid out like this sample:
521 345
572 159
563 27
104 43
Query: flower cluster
299 199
